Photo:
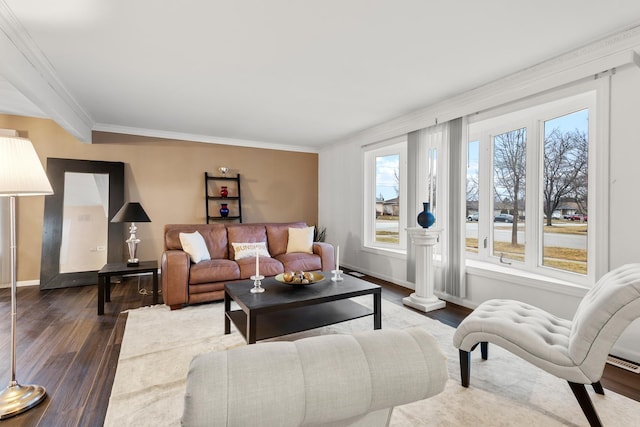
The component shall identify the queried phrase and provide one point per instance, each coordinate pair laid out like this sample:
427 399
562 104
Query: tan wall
167 178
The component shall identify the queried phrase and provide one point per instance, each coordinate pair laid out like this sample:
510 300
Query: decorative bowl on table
299 278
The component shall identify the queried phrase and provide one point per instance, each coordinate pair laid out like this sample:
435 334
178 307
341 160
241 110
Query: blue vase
224 211
426 218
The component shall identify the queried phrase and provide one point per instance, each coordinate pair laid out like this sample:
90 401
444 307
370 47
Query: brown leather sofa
184 282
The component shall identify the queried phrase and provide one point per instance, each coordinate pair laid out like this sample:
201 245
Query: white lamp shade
21 173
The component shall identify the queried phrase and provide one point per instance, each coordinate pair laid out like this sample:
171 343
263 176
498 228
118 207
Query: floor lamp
21 174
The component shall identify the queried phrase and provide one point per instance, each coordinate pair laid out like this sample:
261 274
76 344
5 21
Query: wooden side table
122 269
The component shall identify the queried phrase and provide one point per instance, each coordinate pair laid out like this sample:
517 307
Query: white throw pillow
194 245
247 250
300 240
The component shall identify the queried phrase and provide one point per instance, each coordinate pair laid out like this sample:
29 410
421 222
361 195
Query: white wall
340 193
624 179
340 202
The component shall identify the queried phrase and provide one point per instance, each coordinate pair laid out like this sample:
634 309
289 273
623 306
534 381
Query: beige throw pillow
300 240
247 250
194 245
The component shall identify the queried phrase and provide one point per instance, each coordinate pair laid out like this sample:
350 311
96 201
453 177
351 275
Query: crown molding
30 72
588 61
180 136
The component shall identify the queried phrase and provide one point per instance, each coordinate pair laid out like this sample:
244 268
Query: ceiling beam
25 66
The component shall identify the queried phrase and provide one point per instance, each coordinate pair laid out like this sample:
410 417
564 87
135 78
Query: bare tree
565 169
472 188
396 179
510 168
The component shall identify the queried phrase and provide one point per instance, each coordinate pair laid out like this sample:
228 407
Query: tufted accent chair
575 351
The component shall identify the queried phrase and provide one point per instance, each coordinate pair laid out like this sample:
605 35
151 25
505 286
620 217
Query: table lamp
132 212
21 174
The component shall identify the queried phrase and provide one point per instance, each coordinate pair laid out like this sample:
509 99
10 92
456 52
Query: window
509 184
529 190
472 192
385 196
565 191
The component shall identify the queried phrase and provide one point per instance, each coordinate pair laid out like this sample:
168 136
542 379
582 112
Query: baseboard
21 284
393 280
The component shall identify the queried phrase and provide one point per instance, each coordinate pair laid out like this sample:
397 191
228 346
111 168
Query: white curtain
453 259
435 169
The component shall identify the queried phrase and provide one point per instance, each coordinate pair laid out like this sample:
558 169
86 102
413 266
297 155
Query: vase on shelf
223 191
224 210
426 218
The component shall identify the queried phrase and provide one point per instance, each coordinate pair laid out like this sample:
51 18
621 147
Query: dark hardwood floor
66 347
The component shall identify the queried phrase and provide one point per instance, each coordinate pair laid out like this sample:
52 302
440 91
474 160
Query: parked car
503 218
473 217
576 217
554 215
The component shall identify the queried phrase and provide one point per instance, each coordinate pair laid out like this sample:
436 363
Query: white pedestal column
423 299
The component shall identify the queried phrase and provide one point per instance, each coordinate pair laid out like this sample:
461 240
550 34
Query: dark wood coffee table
284 309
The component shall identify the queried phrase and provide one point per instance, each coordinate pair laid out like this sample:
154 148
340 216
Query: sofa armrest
296 382
175 278
325 250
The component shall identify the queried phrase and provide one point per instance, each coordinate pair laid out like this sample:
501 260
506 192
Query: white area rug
158 346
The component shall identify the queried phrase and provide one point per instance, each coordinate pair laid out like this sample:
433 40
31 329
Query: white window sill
524 278
394 253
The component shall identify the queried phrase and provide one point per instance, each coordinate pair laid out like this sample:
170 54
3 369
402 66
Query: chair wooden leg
484 350
465 367
580 392
597 387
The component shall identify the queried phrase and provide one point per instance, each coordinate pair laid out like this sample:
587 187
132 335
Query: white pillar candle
337 258
257 262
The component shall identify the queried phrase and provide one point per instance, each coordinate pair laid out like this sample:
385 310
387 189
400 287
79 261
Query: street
502 233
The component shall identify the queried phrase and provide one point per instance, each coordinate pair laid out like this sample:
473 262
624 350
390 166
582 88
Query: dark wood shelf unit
235 201
223 218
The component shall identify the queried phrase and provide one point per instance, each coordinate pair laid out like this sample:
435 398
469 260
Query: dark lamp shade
131 212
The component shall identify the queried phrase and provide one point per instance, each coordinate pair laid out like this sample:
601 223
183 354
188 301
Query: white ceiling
285 72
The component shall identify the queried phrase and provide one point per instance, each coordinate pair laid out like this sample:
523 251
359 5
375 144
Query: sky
386 183
578 120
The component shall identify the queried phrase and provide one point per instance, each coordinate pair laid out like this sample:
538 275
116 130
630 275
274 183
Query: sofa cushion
300 262
215 270
300 240
268 267
215 236
194 245
248 250
245 233
278 236
216 240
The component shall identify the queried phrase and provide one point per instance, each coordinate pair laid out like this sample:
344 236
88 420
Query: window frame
392 146
532 114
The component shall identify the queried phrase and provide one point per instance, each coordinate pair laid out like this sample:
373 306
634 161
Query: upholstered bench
346 380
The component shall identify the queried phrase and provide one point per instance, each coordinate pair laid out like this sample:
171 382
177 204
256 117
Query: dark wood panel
50 276
64 346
